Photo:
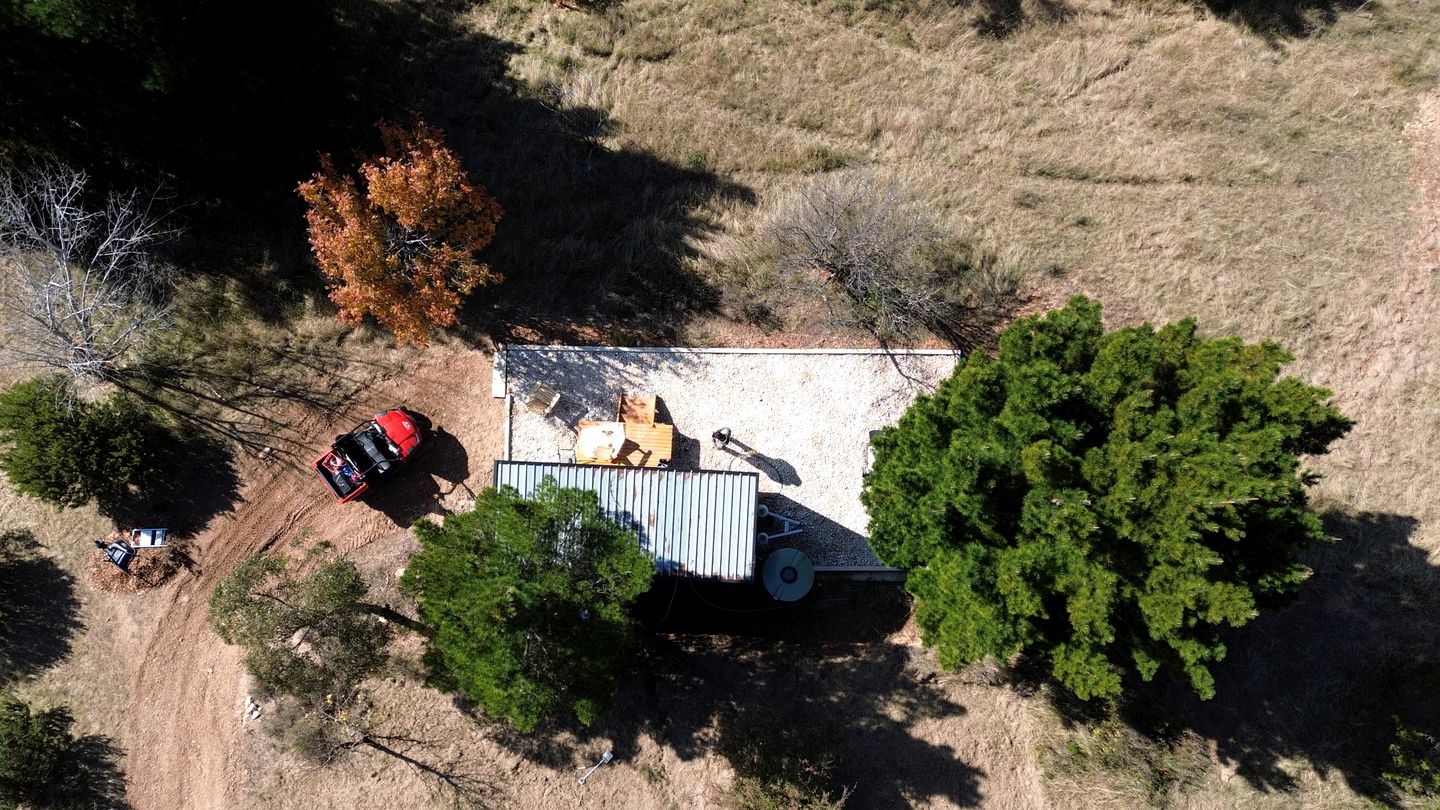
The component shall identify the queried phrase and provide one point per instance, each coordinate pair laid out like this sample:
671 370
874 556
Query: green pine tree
312 637
529 599
33 746
70 452
1105 501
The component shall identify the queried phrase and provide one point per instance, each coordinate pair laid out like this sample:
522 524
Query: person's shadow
778 470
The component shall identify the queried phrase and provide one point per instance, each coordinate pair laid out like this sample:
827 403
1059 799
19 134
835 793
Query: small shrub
311 637
880 260
818 159
68 452
1414 762
1157 771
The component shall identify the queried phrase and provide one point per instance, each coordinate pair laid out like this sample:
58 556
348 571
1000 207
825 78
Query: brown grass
1185 165
1170 162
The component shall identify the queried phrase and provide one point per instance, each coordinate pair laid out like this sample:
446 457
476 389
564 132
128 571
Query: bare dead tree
881 260
82 289
324 734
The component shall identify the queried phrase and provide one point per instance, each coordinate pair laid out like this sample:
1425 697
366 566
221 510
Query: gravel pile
802 420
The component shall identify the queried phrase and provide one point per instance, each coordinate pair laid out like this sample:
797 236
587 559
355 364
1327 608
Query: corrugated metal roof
694 523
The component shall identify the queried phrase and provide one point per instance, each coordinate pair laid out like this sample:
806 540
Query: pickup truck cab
368 453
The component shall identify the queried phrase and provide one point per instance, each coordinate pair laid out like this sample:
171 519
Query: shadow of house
876 692
822 537
1320 681
39 613
835 612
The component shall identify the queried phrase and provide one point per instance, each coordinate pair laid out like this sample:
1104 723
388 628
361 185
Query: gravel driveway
800 418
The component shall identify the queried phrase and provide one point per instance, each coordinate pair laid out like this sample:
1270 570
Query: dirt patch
149 570
186 687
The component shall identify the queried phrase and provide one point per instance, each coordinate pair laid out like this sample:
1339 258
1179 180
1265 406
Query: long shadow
874 691
836 611
39 613
233 103
778 470
89 777
593 233
1321 680
825 541
195 481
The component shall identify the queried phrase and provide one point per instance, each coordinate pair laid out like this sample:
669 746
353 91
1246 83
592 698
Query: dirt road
187 688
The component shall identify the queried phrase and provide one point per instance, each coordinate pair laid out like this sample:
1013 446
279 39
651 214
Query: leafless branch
881 260
82 290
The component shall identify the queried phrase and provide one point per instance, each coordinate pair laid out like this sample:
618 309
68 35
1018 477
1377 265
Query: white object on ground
604 758
600 441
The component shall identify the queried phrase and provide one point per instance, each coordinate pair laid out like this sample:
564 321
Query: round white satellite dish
788 574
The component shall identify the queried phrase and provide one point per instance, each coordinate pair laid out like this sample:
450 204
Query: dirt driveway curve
187 688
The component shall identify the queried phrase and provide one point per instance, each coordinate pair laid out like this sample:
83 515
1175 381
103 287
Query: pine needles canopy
1105 501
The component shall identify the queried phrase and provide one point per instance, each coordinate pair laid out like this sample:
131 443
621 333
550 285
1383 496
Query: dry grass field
1274 172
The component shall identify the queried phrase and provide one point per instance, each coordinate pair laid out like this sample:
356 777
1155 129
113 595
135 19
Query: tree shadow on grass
195 482
90 777
39 612
1276 20
873 693
1001 18
727 648
1320 681
592 234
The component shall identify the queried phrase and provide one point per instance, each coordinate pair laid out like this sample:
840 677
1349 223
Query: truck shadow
418 489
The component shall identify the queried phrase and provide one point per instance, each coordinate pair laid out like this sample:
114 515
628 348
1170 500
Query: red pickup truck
368 453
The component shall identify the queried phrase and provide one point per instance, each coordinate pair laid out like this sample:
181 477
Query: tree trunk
391 615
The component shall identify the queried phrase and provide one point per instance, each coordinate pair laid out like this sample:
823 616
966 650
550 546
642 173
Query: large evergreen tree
530 602
33 746
67 452
1106 502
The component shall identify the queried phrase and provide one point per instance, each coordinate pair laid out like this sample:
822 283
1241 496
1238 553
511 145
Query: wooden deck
645 446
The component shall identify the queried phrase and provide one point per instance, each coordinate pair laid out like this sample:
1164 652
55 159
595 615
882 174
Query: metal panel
694 523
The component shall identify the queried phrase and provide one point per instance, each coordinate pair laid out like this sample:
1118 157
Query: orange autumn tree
399 241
